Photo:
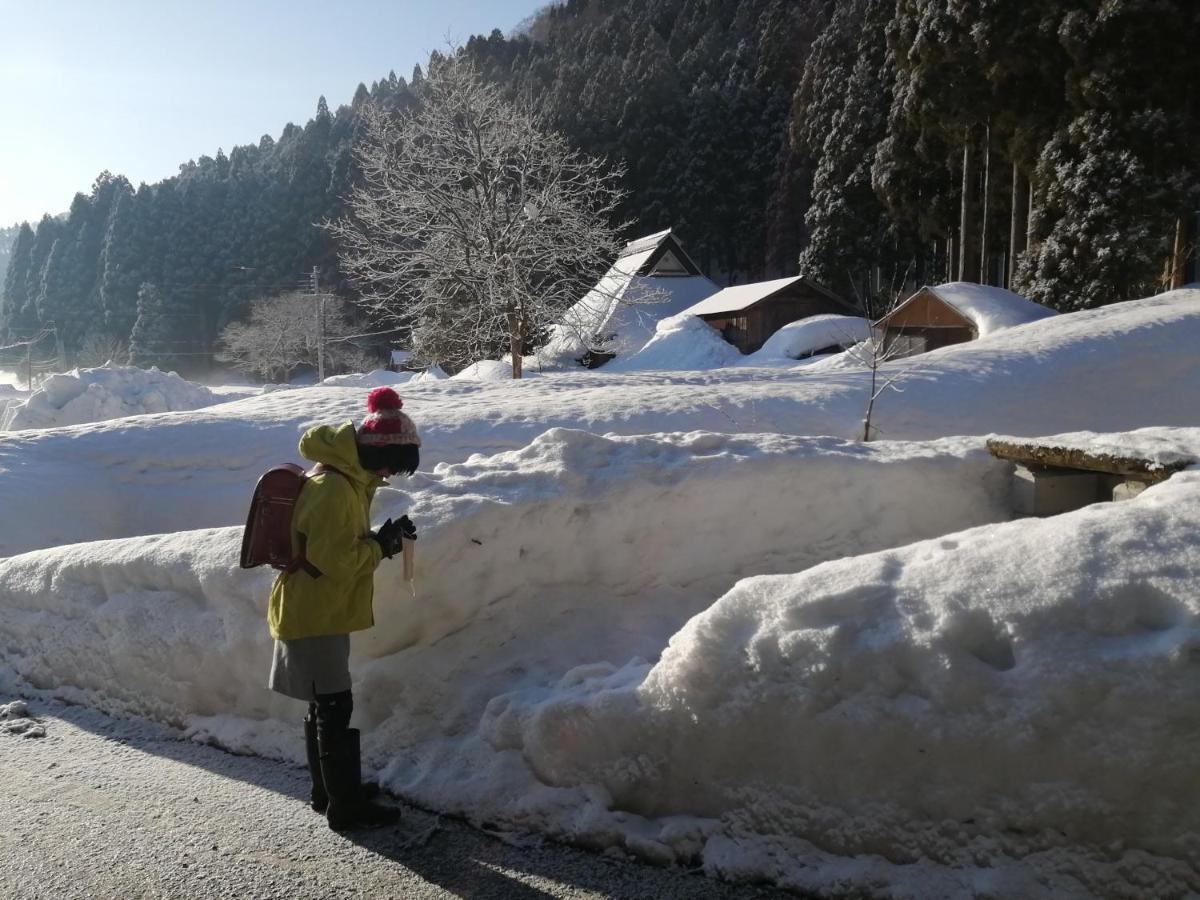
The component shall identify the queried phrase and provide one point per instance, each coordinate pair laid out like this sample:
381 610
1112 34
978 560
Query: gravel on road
101 807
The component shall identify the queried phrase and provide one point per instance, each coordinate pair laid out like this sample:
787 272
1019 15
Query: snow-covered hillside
663 613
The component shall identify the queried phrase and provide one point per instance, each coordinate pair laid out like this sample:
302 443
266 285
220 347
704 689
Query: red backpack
267 539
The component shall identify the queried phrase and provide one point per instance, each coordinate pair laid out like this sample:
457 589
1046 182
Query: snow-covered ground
685 615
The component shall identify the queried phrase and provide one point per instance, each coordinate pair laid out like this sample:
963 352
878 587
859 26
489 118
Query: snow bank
1112 369
432 373
996 693
805 337
575 551
107 392
377 378
679 342
485 370
996 709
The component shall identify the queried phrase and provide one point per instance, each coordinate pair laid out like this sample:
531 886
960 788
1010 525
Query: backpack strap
300 561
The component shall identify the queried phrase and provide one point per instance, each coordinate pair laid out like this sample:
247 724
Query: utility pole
314 287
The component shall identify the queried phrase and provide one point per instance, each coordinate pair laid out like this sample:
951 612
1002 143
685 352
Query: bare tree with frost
475 226
283 333
874 352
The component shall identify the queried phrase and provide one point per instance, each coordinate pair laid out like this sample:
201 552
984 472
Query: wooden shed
748 314
953 313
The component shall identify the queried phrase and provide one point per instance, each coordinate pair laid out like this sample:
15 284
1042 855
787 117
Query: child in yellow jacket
315 607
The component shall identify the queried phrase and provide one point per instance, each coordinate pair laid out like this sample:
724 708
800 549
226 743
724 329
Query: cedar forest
869 144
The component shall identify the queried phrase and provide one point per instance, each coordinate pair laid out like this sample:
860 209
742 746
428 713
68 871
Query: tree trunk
514 349
1019 224
968 247
1181 252
985 268
1030 237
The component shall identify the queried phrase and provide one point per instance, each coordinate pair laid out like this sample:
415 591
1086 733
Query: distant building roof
988 308
610 314
743 296
656 254
649 242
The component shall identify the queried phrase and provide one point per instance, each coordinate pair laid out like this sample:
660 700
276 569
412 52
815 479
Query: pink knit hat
385 425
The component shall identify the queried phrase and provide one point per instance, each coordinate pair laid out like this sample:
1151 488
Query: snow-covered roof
612 313
806 336
649 242
988 308
743 296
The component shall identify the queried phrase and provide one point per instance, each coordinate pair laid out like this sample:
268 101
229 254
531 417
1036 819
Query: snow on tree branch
475 226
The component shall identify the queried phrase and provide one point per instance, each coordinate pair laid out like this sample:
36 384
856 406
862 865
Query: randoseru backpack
267 539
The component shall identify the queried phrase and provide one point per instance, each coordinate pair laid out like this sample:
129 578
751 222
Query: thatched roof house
614 317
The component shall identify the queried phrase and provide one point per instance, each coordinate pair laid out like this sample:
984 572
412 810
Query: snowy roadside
92 806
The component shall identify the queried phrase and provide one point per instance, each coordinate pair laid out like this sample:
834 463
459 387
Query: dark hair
401 458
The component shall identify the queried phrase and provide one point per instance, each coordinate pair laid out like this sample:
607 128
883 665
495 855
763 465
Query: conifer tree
1109 183
16 318
164 333
849 233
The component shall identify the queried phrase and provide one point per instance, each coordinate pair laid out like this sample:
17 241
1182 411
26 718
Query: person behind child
327 594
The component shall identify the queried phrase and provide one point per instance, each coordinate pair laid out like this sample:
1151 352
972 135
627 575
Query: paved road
114 808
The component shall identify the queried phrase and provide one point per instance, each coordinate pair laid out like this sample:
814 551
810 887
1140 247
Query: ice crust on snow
835 666
107 392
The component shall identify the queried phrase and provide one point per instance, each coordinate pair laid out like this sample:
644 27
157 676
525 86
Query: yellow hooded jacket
330 524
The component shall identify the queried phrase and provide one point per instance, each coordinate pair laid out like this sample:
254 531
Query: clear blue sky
139 86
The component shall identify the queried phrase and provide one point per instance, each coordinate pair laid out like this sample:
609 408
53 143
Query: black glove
388 537
407 528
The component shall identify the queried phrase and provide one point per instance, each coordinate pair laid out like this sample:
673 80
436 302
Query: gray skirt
305 667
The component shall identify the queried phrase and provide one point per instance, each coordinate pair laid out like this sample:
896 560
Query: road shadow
460 859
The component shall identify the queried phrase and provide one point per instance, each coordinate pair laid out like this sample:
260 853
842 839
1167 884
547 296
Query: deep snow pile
377 378
107 392
1111 369
805 337
485 370
927 719
679 342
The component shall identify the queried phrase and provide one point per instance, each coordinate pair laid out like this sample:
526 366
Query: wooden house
748 314
953 313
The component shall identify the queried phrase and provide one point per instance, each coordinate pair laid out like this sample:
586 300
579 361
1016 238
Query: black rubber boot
319 799
341 768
